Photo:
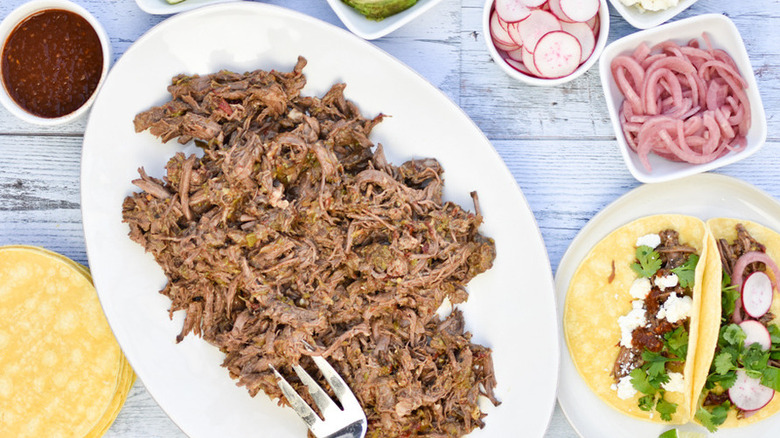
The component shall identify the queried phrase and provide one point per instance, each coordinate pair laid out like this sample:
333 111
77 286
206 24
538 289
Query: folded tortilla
599 294
710 321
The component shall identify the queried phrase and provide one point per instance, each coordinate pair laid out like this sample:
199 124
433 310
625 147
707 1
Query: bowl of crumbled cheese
644 14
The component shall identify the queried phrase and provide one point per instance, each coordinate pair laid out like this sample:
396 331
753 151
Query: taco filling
745 371
654 334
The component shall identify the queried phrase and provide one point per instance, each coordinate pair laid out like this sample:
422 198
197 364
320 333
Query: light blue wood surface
557 142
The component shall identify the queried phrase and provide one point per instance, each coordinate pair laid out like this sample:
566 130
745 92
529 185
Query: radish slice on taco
737 375
631 316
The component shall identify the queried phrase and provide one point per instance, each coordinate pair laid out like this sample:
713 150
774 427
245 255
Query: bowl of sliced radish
545 42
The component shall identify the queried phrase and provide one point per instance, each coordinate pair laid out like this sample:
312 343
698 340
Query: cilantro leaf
665 408
729 296
648 261
733 335
646 402
640 383
677 342
771 377
726 381
774 333
687 271
724 362
712 419
755 360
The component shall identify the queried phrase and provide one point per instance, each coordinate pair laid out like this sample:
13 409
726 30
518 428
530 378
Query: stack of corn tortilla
62 372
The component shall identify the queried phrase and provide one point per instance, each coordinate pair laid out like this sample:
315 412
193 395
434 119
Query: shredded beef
290 231
730 253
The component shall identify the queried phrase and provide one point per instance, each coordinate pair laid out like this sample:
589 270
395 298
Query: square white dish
371 29
724 35
647 19
162 7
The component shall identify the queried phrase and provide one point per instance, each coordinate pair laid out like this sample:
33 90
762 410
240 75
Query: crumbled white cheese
651 5
633 319
651 240
640 288
666 281
675 308
629 365
676 383
625 389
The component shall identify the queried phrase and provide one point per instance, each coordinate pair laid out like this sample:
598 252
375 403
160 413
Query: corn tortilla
61 371
594 304
724 228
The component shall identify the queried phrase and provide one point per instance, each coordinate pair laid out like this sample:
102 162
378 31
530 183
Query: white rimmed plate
647 19
705 196
511 308
372 29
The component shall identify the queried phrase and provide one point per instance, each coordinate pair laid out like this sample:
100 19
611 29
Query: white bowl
20 14
371 29
724 35
647 19
162 7
532 80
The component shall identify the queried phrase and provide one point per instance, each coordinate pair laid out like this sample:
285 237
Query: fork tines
334 418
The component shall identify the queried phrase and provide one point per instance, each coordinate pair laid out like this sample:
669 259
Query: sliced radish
498 32
505 47
756 333
516 54
534 27
580 10
514 33
555 8
557 54
593 22
519 66
512 10
533 3
584 35
501 22
528 60
757 294
748 393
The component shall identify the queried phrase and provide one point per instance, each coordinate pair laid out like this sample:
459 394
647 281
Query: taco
631 316
737 373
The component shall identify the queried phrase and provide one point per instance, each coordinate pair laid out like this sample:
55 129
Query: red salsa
52 62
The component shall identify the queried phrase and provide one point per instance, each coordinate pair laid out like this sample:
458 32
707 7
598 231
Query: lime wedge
674 433
173 2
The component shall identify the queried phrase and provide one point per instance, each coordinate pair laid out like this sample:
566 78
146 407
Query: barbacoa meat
290 230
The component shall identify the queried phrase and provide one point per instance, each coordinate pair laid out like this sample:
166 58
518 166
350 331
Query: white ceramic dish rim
597 51
20 14
370 29
704 196
121 268
682 31
646 20
161 7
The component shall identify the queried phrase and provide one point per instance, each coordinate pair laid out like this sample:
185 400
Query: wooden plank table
557 142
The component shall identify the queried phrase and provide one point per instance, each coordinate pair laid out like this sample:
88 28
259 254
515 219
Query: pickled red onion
700 87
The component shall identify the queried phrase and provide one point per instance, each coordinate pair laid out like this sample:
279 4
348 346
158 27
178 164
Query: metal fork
347 422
